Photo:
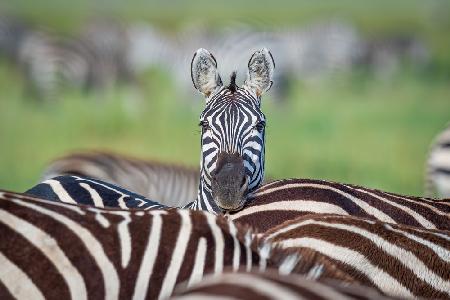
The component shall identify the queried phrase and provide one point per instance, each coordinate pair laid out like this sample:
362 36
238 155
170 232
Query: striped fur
437 178
88 191
172 185
233 131
270 285
278 201
58 250
398 260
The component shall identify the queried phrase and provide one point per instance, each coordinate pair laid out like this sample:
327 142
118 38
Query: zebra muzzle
229 182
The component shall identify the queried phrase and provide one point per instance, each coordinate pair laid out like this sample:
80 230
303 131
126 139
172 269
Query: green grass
356 130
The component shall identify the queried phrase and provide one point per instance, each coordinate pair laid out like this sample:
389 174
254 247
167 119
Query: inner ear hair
260 71
204 72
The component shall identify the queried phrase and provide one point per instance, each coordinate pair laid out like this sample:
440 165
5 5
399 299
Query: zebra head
232 131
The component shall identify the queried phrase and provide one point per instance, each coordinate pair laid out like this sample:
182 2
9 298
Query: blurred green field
356 129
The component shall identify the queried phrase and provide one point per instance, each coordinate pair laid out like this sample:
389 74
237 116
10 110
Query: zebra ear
204 73
260 72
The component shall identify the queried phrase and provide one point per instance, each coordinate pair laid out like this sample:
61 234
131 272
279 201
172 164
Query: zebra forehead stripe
50 249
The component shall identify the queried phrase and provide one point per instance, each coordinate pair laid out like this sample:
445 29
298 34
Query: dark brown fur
436 212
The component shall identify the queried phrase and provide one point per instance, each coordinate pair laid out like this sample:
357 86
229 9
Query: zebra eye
204 124
260 126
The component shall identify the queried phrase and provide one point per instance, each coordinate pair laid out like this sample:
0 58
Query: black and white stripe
57 250
232 125
88 191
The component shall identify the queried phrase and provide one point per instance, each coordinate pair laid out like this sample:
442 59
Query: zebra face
233 131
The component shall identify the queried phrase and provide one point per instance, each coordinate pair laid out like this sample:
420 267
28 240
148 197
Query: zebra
49 61
398 260
95 59
58 250
88 191
437 177
269 284
171 184
232 131
282 200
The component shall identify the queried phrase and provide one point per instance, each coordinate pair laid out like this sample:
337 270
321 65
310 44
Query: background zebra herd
77 237
105 52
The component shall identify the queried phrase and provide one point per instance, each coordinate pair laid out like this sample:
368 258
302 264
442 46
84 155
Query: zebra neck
204 199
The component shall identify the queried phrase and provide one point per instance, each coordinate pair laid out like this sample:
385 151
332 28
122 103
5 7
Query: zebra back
88 191
58 250
282 200
399 260
170 184
271 285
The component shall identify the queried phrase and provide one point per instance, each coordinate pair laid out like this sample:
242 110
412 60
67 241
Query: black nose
229 180
229 169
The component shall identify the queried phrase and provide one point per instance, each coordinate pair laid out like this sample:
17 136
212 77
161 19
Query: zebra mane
232 86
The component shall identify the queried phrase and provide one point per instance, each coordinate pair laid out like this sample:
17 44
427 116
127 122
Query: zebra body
270 285
87 191
169 184
398 260
58 250
282 200
438 166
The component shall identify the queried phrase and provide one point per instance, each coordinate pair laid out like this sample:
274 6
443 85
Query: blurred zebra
320 49
283 200
95 60
302 52
57 250
383 57
270 285
437 177
398 260
50 62
170 184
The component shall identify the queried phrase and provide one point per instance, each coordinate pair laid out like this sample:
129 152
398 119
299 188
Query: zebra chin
229 182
